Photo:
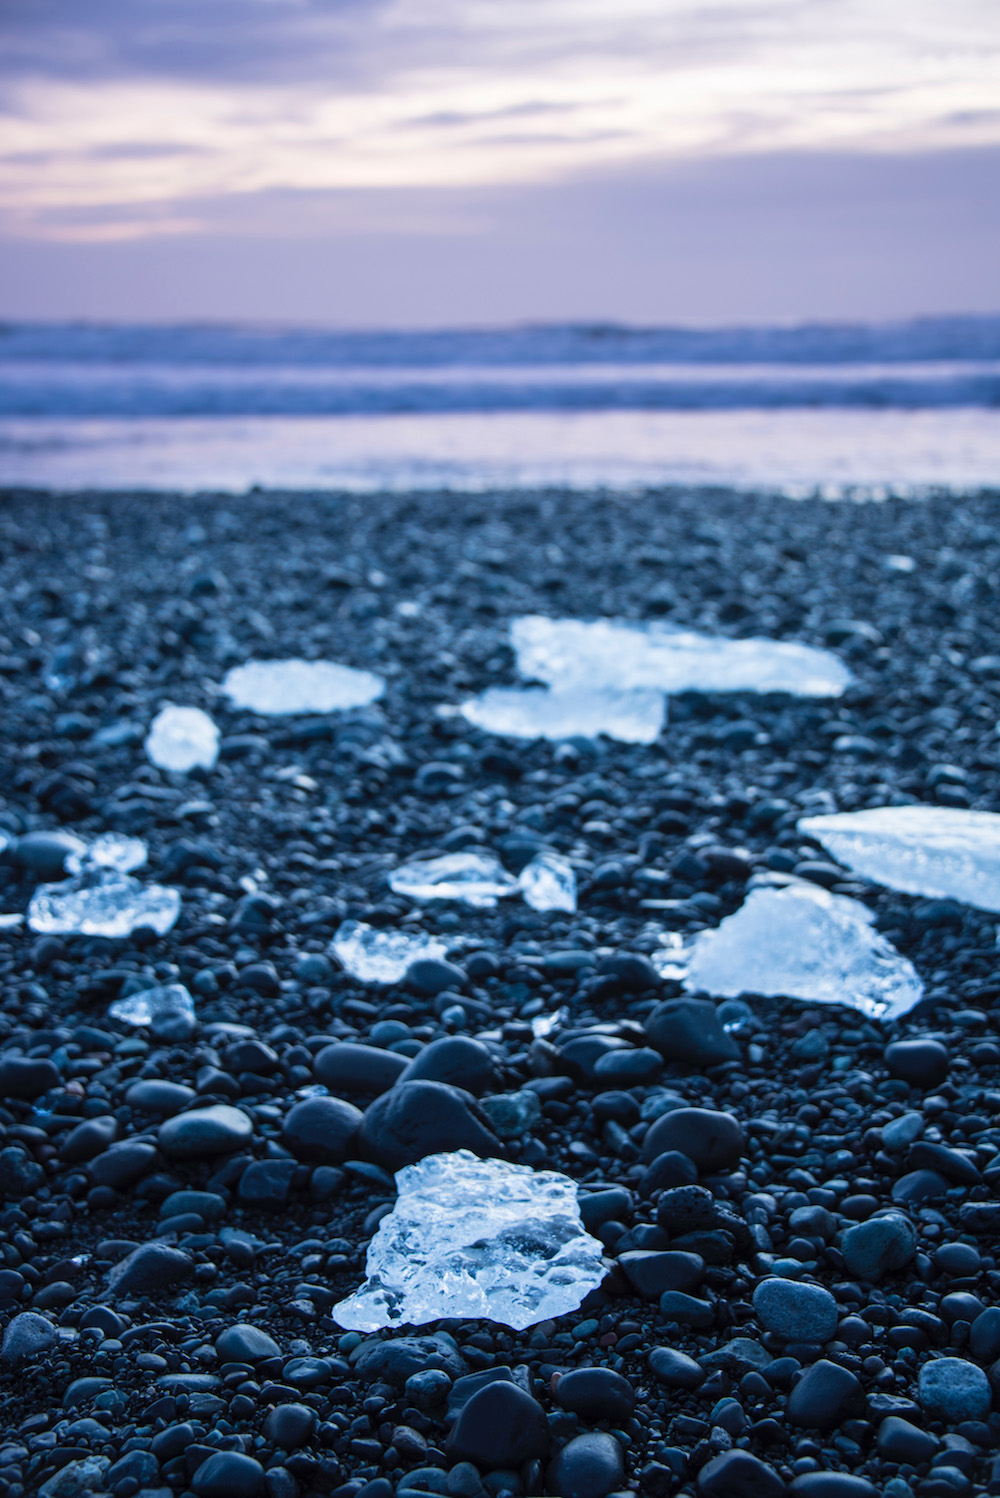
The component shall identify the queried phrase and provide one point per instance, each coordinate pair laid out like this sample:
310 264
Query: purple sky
470 161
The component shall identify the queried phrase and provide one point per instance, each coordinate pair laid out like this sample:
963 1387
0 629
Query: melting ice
548 882
631 717
479 1240
110 850
478 879
182 739
937 851
295 686
104 903
378 956
803 942
167 1009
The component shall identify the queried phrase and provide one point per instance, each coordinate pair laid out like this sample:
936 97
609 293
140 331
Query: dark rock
635 1067
630 972
688 1209
588 1466
20 1175
266 1184
984 1335
686 1310
831 1485
162 1098
228 1474
796 1312
596 1394
879 1246
714 1141
151 1267
216 1130
423 1118
322 1130
290 1426
88 1139
456 1059
650 1273
25 1077
669 1169
899 1441
823 1395
347 1067
26 1334
245 1343
122 1164
675 1369
394 1361
501 1426
922 1063
432 975
952 1389
690 1030
599 1207
737 1474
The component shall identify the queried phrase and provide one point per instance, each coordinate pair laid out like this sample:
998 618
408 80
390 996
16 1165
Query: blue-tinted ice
102 904
376 955
182 739
167 1009
274 688
632 717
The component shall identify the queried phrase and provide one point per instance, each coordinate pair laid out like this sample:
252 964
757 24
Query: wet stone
596 1394
322 1130
713 1140
794 1311
417 1119
952 1389
879 1246
215 1130
588 1466
501 1426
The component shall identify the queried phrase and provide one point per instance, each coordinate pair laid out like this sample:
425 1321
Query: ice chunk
548 882
377 956
167 1009
544 1025
938 851
109 851
182 739
476 1240
102 904
630 656
478 879
294 686
633 717
803 942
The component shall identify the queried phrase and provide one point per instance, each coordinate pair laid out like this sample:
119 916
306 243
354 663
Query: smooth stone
152 1266
952 1389
686 1310
456 1059
209 1205
599 1207
596 1394
879 1246
693 1209
20 1175
900 1441
26 1078
984 1335
88 1139
266 1184
831 1485
669 1169
511 1115
651 1272
43 854
348 1067
822 1396
244 1343
794 1311
676 1369
501 1426
588 1466
738 1474
157 1096
922 1063
228 1474
322 1130
713 1140
429 976
423 1118
900 1132
122 1164
690 1030
395 1361
26 1334
633 1068
290 1426
215 1130
83 1390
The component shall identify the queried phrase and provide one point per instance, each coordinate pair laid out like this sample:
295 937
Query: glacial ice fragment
182 739
109 851
548 882
938 851
167 1009
272 688
478 1240
478 879
379 956
631 656
803 942
632 717
102 904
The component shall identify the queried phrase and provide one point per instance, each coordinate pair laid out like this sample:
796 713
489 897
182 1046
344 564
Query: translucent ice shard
805 943
475 1239
478 879
276 687
379 956
632 717
631 656
102 904
182 739
110 850
937 851
167 1009
548 882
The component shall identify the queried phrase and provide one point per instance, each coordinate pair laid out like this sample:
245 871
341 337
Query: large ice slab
478 1240
632 717
102 904
182 739
166 1008
379 956
594 655
478 879
548 882
938 851
273 688
802 942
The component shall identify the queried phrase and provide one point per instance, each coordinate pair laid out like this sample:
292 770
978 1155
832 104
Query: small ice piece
182 739
377 956
167 1009
106 904
547 1024
272 688
110 850
475 1240
631 717
548 882
478 879
631 656
11 921
938 851
804 943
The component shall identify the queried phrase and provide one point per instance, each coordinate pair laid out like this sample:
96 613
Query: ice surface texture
182 739
631 656
480 880
110 850
167 1008
631 717
475 1239
922 850
805 943
377 956
272 688
102 904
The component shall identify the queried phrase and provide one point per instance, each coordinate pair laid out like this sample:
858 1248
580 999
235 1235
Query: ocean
836 410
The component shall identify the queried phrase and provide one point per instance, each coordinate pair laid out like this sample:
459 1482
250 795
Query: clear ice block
103 904
631 656
478 879
272 688
109 851
632 717
548 882
380 956
478 1240
166 1009
802 942
938 851
182 739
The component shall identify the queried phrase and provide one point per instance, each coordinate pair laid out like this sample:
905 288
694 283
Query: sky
420 162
